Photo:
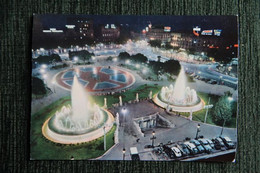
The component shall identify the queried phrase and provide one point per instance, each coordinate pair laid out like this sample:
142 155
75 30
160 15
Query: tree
222 111
172 66
124 55
47 59
38 87
82 55
155 43
139 58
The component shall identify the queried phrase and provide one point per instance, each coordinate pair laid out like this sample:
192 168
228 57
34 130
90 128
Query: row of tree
45 59
170 66
83 55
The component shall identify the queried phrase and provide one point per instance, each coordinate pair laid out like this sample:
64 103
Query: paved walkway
184 128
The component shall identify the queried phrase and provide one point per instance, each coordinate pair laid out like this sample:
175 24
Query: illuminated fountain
179 97
79 122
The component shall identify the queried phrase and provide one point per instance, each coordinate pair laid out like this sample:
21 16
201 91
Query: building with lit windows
109 33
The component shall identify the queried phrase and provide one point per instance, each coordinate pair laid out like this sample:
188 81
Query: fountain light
42 70
44 76
179 97
44 66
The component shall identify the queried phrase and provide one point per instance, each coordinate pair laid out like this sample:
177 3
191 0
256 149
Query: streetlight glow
75 58
44 76
42 70
230 99
44 66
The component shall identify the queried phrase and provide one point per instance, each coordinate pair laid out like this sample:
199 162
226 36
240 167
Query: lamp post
222 127
123 153
198 130
105 147
153 138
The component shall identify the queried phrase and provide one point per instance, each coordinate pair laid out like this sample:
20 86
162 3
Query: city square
116 93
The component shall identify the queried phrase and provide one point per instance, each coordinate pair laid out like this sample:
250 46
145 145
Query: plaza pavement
183 128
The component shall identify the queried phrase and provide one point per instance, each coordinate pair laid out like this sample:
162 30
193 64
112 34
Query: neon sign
207 32
217 32
196 31
167 29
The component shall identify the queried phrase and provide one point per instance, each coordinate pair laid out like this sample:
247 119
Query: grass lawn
43 149
142 90
200 115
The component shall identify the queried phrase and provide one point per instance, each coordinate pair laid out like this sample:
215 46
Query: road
208 71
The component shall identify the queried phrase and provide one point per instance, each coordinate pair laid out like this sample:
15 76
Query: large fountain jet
80 102
81 116
179 91
179 94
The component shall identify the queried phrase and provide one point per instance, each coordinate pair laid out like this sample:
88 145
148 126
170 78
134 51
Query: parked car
176 152
218 141
206 145
198 145
228 143
168 151
134 153
183 148
211 143
191 147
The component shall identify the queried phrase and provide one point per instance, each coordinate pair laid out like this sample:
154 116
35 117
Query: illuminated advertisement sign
217 32
196 31
206 32
70 26
167 29
113 26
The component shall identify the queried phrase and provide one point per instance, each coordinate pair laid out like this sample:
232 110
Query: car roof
203 140
227 138
133 150
175 149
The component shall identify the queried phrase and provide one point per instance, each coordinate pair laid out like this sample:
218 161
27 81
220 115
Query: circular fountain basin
179 108
89 135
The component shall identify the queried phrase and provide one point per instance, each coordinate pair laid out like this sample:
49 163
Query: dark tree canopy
47 59
139 58
124 55
82 55
38 87
223 110
155 43
172 67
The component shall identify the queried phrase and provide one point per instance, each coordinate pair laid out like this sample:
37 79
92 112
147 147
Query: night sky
228 24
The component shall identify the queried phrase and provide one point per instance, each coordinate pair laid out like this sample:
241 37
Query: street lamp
198 130
44 66
230 99
75 59
153 138
42 70
123 153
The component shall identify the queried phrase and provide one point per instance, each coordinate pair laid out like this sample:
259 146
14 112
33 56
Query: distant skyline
228 24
